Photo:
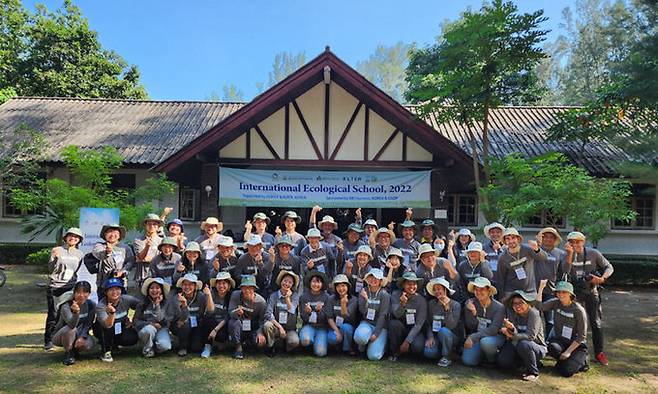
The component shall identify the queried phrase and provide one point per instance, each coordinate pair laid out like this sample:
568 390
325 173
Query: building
323 117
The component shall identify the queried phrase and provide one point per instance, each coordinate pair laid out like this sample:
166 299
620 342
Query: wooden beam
386 144
286 130
248 143
347 129
404 147
326 120
329 164
267 142
306 129
365 133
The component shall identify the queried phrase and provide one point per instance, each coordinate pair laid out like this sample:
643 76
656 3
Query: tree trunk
485 144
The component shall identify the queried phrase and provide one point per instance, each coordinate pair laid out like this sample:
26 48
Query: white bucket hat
491 226
313 233
254 239
227 241
364 249
438 281
465 231
211 221
376 272
328 219
160 281
222 276
190 278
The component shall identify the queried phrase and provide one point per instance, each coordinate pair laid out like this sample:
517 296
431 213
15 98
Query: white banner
330 189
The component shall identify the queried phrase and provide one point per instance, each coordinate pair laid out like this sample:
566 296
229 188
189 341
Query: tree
59 201
386 69
19 160
229 93
523 188
285 63
596 41
55 54
483 60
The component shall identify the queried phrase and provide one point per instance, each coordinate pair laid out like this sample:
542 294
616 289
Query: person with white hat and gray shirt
211 235
432 266
587 269
464 237
475 266
356 274
215 325
63 268
393 270
225 260
255 262
342 314
493 247
408 244
381 245
374 305
312 311
282 310
153 316
327 226
247 317
444 326
350 245
146 246
191 263
317 255
195 304
408 315
516 266
549 239
111 259
164 264
483 319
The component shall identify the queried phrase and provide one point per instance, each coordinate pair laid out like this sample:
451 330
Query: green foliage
59 201
523 188
285 63
55 54
386 69
14 253
40 257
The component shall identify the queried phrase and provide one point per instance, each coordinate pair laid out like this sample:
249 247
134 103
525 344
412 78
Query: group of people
499 303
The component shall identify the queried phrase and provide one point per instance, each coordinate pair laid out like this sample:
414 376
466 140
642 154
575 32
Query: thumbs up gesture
75 308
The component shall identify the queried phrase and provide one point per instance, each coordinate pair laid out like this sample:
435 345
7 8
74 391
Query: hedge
634 270
17 253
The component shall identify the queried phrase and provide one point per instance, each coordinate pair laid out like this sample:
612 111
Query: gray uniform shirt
486 322
412 315
516 271
570 321
528 328
375 310
63 269
278 310
438 317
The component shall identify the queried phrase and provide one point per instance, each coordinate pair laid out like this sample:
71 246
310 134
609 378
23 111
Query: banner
91 222
330 189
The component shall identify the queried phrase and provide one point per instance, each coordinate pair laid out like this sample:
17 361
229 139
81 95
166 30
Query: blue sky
187 49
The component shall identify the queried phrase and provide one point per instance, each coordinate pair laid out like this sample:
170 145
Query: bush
17 253
634 270
39 258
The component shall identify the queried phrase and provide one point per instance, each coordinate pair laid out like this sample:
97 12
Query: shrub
39 258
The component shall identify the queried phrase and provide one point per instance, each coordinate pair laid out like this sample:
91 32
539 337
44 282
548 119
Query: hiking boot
149 353
207 350
393 358
238 355
602 359
182 353
69 359
107 357
444 362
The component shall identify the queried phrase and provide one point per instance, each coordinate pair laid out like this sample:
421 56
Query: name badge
520 273
339 320
358 285
483 323
493 264
522 328
117 328
210 254
118 257
371 314
167 280
313 318
193 322
246 325
567 332
411 318
321 268
283 317
436 325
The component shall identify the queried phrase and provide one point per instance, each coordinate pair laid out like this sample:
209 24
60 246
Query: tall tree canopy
484 59
56 54
386 69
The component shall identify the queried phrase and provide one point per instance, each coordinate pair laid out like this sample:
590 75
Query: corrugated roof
148 132
143 132
523 130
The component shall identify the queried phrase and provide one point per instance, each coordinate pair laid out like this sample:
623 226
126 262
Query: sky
187 49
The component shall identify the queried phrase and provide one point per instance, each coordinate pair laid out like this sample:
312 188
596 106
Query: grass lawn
631 318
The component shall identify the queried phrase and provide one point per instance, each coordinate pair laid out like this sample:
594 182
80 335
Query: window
546 219
123 182
643 202
190 204
462 210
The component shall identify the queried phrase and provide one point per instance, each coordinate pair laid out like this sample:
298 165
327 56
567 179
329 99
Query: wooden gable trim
267 142
307 129
386 144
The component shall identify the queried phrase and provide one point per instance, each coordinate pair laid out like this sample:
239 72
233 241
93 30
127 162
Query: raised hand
206 290
277 231
75 308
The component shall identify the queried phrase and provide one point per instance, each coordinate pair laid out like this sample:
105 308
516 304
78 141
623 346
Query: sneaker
530 378
107 357
602 359
48 347
69 359
271 352
585 367
393 358
444 362
207 349
182 353
149 353
238 355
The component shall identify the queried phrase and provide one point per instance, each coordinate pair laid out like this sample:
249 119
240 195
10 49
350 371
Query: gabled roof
299 82
143 132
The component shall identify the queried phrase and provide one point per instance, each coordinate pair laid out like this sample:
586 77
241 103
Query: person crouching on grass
282 307
483 319
76 317
194 303
342 315
113 326
153 317
247 317
443 322
312 311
